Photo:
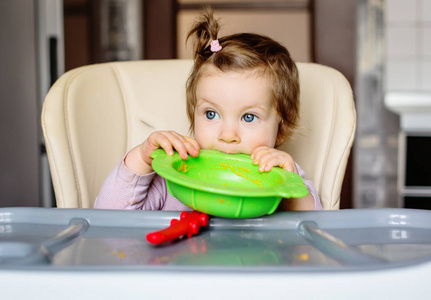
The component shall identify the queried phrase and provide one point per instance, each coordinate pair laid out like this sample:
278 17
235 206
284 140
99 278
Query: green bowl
226 185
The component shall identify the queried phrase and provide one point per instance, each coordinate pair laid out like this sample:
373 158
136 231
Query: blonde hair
245 52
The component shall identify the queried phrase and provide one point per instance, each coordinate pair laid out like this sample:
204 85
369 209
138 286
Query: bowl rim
292 185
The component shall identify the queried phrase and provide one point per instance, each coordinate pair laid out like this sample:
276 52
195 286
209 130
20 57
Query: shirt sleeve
126 190
311 189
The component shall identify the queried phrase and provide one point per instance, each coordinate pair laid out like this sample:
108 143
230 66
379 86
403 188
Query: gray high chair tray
374 246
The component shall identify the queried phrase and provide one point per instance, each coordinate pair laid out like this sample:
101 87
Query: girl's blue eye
249 118
211 115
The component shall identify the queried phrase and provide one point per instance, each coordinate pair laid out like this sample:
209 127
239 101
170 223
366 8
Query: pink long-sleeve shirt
124 189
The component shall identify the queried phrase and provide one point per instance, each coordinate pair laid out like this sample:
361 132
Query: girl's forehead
209 70
242 90
243 84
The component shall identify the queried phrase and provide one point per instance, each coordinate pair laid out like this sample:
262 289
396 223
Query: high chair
94 114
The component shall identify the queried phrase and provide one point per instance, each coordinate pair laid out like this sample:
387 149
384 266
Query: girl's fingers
176 142
278 161
192 146
267 158
258 152
162 140
172 141
185 146
169 141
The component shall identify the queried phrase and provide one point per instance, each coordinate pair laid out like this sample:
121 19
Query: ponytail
203 32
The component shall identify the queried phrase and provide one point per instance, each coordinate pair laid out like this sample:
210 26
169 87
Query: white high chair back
93 114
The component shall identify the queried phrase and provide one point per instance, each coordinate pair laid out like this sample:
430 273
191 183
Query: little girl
242 97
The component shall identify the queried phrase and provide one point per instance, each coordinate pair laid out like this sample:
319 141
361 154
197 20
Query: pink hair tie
215 46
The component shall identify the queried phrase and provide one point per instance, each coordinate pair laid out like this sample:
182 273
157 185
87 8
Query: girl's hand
139 158
267 158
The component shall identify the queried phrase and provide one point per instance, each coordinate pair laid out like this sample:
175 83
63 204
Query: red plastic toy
189 224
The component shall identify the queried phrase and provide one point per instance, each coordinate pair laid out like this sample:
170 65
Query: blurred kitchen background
383 47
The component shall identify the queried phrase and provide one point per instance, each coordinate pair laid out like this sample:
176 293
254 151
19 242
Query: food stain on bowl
183 167
241 172
226 185
238 171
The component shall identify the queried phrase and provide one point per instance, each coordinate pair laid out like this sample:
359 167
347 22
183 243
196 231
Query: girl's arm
304 203
126 190
127 186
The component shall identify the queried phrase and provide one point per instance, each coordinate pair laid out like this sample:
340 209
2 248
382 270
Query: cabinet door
417 171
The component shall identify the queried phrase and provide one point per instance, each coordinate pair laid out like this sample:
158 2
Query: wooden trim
91 12
250 5
160 35
95 31
75 9
312 11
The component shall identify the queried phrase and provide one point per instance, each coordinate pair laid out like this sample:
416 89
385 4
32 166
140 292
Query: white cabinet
414 162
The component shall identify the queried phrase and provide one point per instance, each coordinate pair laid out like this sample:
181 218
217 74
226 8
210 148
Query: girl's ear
281 136
279 140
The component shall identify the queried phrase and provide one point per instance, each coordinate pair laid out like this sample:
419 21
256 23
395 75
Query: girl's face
234 112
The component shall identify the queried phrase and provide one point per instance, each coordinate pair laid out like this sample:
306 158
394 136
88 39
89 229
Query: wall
286 21
408 37
19 143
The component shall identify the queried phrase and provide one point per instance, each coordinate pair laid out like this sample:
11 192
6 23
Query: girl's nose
229 134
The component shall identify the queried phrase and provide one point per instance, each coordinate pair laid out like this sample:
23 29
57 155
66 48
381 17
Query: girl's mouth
229 151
